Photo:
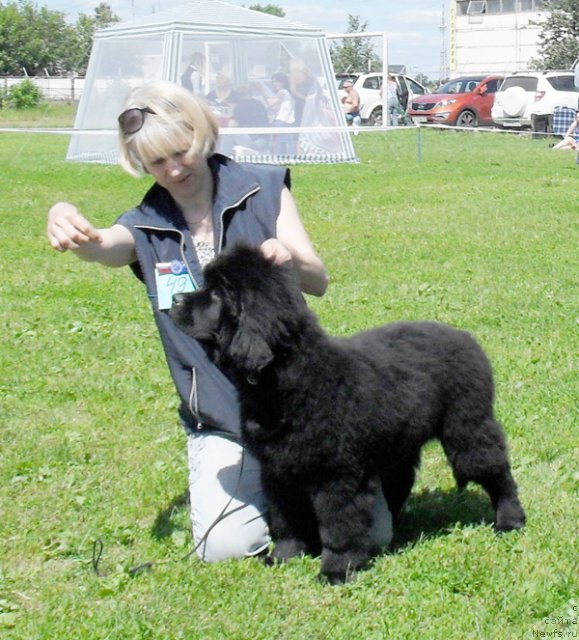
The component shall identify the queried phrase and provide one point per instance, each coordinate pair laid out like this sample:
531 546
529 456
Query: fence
52 88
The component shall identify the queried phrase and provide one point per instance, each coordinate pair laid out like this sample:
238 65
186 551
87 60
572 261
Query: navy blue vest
246 206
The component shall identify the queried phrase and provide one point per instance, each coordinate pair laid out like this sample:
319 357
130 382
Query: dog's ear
249 348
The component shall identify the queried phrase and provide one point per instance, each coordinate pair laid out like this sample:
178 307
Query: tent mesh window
230 55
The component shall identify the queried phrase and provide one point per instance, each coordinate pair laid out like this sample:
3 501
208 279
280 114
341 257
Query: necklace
198 223
197 216
202 229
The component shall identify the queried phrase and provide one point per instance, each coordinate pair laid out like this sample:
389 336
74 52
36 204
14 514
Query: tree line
37 41
559 36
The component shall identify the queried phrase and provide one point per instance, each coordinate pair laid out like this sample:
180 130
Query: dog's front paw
338 568
335 577
510 516
512 523
284 550
269 561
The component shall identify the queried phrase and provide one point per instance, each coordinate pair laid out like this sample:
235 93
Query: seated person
571 137
223 98
282 108
250 113
351 103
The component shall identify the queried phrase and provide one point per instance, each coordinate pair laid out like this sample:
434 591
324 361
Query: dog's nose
178 299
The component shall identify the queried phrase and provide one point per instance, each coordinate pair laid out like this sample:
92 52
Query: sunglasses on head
132 120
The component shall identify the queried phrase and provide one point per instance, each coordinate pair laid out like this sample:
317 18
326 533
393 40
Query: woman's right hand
67 228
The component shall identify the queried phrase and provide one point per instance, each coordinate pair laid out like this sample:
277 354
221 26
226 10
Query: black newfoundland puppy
330 418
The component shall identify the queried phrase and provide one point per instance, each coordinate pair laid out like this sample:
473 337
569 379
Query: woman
200 202
192 77
282 107
223 98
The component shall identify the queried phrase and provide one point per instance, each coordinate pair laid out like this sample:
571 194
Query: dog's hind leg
397 482
477 452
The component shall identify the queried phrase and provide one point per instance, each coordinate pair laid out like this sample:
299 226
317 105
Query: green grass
48 115
482 233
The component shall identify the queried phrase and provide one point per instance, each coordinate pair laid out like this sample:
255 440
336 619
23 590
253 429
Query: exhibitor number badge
171 278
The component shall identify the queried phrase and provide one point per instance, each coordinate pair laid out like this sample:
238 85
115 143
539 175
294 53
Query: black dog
330 418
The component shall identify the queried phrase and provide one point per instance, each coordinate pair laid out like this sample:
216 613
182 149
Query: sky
413 27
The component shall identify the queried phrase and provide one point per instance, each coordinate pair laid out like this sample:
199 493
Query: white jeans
225 488
228 508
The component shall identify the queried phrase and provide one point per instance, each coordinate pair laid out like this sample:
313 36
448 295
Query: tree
425 81
559 36
354 54
85 28
272 9
36 41
32 40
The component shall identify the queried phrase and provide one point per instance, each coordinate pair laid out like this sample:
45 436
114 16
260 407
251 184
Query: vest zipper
181 247
221 231
224 211
194 399
193 395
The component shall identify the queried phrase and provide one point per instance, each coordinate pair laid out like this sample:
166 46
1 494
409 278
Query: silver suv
528 98
368 86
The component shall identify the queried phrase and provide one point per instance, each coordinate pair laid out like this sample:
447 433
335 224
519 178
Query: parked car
462 102
368 86
527 99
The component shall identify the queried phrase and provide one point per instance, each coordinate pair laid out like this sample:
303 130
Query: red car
461 102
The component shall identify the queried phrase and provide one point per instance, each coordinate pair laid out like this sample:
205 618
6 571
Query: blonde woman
200 202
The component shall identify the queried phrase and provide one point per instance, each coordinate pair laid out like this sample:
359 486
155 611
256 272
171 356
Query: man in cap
351 103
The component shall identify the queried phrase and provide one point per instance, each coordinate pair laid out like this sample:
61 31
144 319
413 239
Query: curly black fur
330 417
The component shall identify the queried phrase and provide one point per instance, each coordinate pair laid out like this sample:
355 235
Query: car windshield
459 85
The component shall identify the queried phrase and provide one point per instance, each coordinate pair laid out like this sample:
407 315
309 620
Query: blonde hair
180 122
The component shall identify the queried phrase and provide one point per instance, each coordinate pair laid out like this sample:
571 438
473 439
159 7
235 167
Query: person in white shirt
282 106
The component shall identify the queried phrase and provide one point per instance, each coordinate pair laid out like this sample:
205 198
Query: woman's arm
275 100
68 229
296 246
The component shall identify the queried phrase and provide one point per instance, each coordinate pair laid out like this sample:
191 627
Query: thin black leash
97 546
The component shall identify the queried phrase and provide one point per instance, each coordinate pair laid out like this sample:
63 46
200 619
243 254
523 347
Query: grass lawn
47 115
481 233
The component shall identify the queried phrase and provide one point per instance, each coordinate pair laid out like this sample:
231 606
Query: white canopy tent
213 48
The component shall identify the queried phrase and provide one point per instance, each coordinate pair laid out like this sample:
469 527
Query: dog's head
247 311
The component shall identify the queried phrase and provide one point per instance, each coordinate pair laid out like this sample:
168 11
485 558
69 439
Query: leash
98 546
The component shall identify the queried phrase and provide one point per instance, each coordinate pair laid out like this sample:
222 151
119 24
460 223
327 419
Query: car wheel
514 102
467 119
376 117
